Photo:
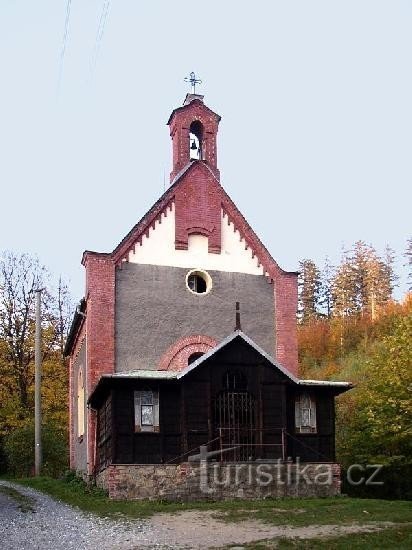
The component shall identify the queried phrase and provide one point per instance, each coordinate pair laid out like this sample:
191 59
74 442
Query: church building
186 343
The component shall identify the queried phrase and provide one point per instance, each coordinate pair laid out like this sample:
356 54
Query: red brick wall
198 208
286 301
100 295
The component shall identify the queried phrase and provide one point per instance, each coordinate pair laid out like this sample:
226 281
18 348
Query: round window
198 282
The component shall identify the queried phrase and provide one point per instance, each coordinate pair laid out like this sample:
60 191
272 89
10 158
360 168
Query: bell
193 146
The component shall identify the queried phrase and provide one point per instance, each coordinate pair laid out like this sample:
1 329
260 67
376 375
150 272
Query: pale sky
314 145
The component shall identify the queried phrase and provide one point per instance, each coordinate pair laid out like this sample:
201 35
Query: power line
64 45
99 35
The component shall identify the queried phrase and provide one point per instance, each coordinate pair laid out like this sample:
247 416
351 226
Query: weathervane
193 81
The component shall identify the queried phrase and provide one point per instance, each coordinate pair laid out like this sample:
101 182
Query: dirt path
202 530
32 520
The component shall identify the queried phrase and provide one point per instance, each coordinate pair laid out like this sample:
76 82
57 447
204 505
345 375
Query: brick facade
198 208
100 322
286 303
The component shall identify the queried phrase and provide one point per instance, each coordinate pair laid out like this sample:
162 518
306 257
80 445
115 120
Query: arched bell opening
195 140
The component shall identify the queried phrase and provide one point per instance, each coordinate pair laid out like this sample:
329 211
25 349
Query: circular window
198 282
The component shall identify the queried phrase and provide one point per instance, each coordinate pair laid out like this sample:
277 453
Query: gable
212 214
238 348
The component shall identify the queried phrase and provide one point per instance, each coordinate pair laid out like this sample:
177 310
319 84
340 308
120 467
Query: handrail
191 450
283 432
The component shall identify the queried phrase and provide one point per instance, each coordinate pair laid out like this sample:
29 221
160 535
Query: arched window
194 357
195 140
80 403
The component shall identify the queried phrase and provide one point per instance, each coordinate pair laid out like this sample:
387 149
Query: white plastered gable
158 248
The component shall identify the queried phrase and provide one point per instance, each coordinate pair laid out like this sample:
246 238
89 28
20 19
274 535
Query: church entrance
235 420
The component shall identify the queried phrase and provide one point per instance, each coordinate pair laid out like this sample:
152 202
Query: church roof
189 99
121 251
251 343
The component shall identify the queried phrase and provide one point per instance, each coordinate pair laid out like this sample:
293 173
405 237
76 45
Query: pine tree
309 284
390 277
366 279
326 295
344 287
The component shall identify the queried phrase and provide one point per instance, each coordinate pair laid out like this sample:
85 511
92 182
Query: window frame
139 398
305 403
201 273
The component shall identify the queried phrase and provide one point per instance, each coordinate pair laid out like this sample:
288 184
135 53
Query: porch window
305 414
146 411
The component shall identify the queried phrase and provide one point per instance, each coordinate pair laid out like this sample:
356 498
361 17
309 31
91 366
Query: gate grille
235 414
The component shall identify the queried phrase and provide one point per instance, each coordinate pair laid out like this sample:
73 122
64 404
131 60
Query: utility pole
37 389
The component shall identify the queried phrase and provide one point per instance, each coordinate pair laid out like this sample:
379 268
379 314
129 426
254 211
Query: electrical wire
99 35
64 44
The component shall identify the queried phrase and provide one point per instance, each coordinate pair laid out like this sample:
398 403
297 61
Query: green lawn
399 537
295 512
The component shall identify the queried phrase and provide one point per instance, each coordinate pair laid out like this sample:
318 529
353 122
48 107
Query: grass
292 512
24 502
289 511
321 511
399 537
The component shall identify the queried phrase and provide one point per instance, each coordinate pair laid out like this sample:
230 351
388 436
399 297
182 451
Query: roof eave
75 327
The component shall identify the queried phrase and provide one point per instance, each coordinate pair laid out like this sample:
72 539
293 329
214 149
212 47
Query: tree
326 296
389 270
378 413
20 276
344 288
408 256
363 281
309 284
64 311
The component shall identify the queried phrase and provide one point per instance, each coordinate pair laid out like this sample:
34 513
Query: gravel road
41 523
52 525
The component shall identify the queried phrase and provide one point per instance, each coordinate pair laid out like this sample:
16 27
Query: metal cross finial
193 81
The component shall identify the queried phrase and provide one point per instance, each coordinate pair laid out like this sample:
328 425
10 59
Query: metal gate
235 423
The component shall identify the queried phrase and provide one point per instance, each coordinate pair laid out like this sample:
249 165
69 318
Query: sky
315 140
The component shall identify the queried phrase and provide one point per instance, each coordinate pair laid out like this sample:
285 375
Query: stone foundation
219 481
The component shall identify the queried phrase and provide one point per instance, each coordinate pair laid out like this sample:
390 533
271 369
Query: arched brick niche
177 356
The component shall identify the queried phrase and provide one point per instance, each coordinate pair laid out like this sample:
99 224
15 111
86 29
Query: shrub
396 479
19 451
3 461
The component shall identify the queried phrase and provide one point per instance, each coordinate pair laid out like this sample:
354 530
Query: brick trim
176 357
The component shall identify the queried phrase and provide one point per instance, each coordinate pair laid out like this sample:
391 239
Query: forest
350 327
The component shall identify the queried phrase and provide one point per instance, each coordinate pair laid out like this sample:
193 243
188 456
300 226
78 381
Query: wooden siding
188 419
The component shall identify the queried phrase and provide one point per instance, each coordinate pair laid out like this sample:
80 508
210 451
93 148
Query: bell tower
193 129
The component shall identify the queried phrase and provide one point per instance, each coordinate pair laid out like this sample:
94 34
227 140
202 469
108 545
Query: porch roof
167 375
